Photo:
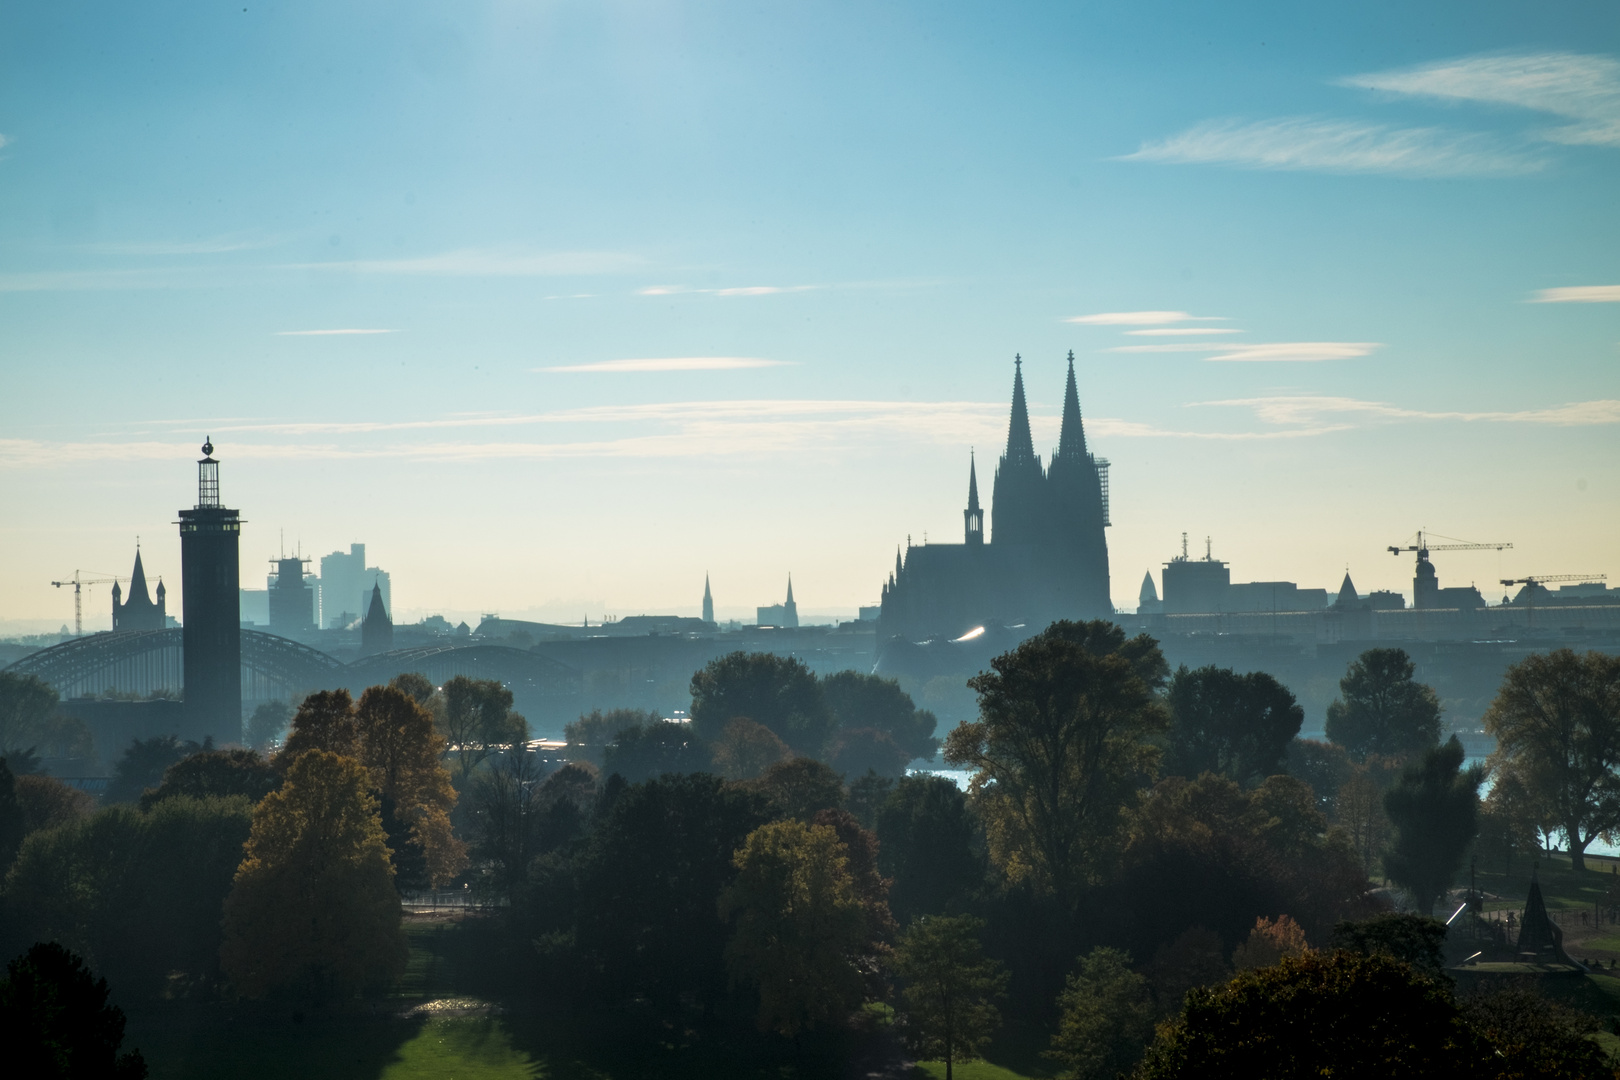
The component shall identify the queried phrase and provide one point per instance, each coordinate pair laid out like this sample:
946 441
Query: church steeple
1020 446
1072 438
708 601
973 516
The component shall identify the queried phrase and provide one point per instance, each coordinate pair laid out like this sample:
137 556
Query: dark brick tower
210 575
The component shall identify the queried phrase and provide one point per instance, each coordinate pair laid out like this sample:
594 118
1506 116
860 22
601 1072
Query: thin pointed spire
1072 437
973 483
1020 446
137 581
790 589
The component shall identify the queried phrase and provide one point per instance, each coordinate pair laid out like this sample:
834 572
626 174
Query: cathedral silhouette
1046 557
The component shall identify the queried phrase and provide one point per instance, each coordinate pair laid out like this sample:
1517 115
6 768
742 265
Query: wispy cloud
327 333
673 363
1577 87
214 245
1345 146
1140 318
490 262
1184 331
76 280
740 290
1298 351
1579 294
1312 410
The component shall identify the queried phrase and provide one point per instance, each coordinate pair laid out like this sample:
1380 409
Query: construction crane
1423 548
1539 579
78 584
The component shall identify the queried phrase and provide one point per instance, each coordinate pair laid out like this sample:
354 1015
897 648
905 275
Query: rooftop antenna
1183 547
1207 556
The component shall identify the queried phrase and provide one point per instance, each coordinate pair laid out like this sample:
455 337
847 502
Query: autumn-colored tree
324 721
799 925
1557 725
800 788
405 757
313 909
1106 1014
1060 748
746 749
1269 942
950 988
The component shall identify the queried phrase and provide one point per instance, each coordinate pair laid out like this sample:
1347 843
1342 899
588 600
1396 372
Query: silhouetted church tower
139 612
210 578
973 517
377 630
708 601
1016 500
1078 556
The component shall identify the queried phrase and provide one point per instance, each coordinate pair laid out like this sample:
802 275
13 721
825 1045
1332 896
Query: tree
800 788
1106 1016
1413 939
417 686
1381 709
950 988
142 766
216 773
479 719
1532 1036
1223 722
313 909
858 700
13 825
746 749
1319 1014
871 887
56 1023
648 882
26 705
931 845
404 753
1435 809
1323 765
1060 747
268 724
590 735
777 691
799 926
662 746
1269 942
1510 822
518 813
858 751
1556 720
46 802
1194 958
324 721
1358 809
866 797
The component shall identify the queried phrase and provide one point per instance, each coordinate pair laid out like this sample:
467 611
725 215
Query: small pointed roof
1020 446
376 612
1347 591
1537 934
790 589
137 582
973 483
1072 437
1149 594
898 565
706 595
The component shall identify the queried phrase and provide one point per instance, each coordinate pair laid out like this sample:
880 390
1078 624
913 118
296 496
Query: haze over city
560 307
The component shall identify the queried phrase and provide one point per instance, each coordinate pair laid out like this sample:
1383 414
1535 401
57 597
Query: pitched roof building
140 611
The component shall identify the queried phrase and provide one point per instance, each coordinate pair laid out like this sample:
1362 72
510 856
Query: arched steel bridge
147 661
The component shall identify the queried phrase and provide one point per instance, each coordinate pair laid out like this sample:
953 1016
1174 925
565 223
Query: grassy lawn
966 1070
465 1048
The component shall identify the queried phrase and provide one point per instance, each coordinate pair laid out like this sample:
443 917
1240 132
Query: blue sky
653 290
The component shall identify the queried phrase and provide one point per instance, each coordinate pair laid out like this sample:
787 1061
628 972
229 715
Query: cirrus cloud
1140 318
672 363
1579 294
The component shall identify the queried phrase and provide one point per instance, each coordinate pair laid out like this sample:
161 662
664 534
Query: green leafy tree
268 724
931 845
1532 1036
313 910
26 705
859 700
13 826
479 719
951 989
1223 722
1435 808
591 735
1413 939
858 751
866 797
801 788
1105 1017
1556 720
662 746
216 773
417 686
777 691
1323 765
799 926
746 749
142 766
1381 709
57 1023
648 881
1062 743
1319 1014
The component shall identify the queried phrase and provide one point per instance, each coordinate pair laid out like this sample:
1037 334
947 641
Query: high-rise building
292 598
210 576
1044 556
139 612
345 587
